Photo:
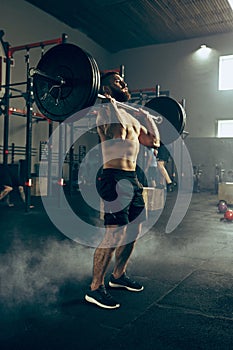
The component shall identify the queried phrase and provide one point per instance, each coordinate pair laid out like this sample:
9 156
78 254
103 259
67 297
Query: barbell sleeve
158 119
58 80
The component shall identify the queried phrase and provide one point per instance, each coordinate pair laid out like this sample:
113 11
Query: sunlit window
225 72
225 128
231 3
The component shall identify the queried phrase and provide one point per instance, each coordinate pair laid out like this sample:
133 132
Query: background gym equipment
228 215
197 172
154 198
219 176
7 89
67 80
225 192
222 206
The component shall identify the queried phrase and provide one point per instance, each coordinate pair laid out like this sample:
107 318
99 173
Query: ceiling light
203 51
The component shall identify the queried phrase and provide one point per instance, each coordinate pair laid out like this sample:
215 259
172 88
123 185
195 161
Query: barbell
67 80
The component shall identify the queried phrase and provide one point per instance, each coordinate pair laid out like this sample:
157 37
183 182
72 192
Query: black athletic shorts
163 154
5 178
122 195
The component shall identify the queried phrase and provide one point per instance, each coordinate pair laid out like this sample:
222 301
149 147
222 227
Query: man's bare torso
120 144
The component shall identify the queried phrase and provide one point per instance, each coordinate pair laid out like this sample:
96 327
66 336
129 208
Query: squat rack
9 52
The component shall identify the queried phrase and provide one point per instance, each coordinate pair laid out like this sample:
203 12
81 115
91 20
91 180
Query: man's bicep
101 118
148 139
101 131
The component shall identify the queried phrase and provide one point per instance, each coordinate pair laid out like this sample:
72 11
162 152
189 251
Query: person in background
162 159
152 169
9 181
6 185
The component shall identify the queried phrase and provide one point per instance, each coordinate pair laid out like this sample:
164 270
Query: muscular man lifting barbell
121 135
66 81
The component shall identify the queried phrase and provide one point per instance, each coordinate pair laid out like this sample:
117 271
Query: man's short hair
105 76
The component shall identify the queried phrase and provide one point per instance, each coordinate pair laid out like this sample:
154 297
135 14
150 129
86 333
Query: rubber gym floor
187 302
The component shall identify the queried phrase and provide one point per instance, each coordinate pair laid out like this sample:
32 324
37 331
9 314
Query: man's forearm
151 127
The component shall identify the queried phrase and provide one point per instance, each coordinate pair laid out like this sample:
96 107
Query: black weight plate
72 64
92 97
174 117
96 88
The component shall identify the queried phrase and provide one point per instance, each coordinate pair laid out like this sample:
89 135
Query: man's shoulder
130 118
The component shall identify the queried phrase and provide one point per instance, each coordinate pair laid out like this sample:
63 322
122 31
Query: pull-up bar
23 113
36 44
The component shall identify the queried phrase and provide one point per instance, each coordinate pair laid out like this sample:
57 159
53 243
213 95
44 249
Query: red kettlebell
228 215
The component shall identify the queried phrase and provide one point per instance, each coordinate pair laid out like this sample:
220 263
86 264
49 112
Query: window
224 128
231 3
225 72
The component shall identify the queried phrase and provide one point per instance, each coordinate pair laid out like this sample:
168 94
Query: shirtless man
121 135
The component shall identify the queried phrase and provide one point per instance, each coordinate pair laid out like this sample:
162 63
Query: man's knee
8 188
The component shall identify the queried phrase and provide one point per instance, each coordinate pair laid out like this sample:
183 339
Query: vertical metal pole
183 103
71 158
7 104
173 174
157 90
29 103
64 38
60 151
50 159
122 71
60 163
12 153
